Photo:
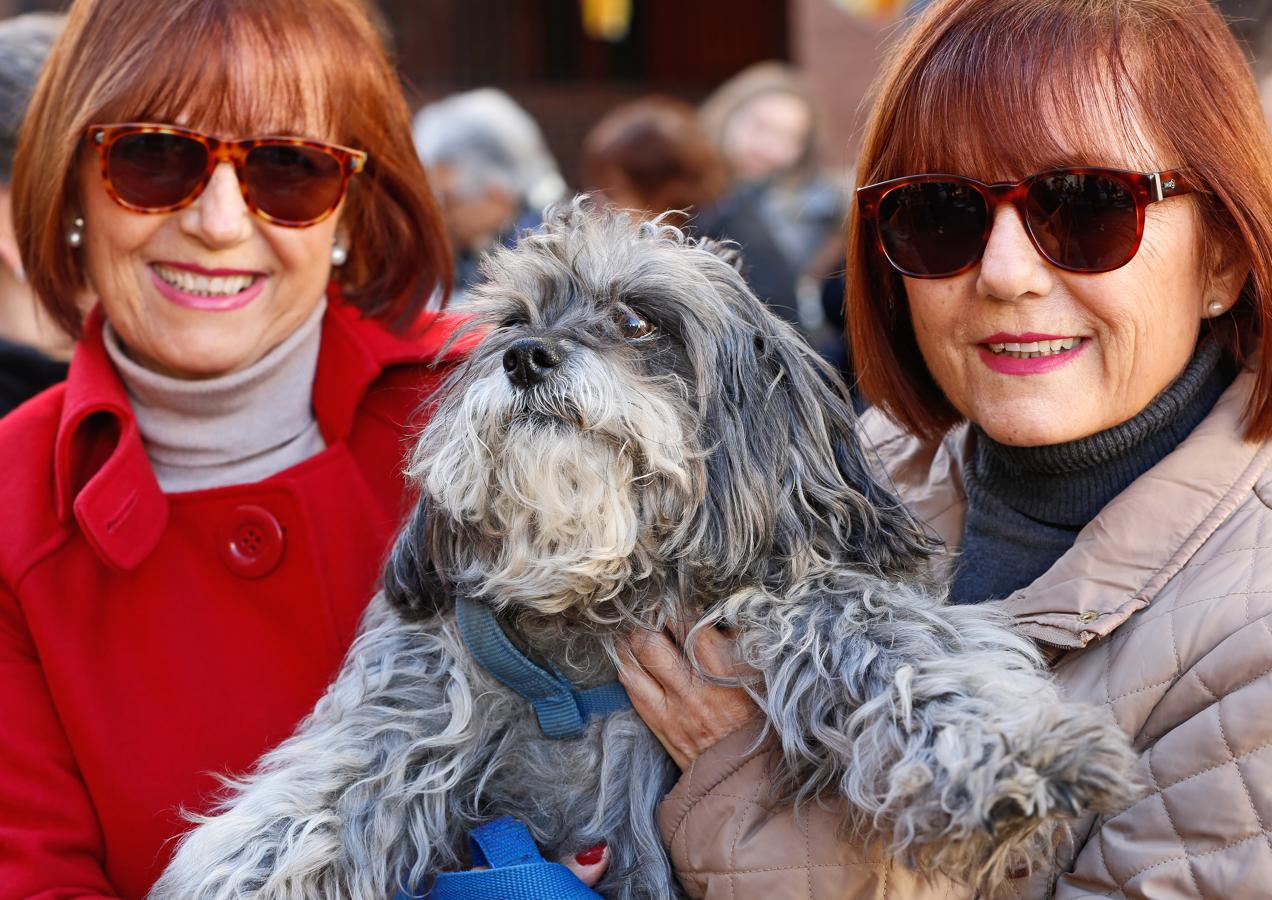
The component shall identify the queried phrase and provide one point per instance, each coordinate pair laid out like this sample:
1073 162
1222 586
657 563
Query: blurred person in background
764 123
651 155
490 168
33 350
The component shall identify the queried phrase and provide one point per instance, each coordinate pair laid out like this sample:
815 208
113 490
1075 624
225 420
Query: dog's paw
1072 761
1085 762
995 789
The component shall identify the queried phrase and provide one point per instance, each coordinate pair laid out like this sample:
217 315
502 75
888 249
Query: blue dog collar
562 708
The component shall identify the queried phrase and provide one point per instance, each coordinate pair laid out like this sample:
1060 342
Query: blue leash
517 870
562 708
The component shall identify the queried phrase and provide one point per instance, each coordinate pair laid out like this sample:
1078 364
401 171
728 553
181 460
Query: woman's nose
219 217
1011 267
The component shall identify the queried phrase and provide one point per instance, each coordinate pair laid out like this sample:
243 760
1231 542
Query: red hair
237 68
977 87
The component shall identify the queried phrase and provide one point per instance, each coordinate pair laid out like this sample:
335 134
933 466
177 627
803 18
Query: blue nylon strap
503 842
603 699
562 709
517 870
540 881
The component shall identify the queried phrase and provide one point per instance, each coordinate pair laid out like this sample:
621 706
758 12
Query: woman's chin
196 363
1039 428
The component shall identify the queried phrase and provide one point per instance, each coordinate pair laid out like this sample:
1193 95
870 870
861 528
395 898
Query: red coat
149 642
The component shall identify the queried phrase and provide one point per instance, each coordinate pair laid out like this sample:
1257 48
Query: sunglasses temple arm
1171 184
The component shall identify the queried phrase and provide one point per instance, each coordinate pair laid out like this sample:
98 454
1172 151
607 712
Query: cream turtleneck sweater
232 429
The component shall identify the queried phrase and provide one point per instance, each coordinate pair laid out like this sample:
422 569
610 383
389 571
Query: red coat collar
102 475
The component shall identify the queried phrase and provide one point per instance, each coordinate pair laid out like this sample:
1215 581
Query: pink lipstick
209 290
1001 352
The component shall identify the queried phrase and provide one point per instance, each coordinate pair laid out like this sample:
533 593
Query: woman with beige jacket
1059 277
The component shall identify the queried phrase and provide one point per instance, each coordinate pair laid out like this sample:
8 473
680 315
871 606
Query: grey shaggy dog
638 442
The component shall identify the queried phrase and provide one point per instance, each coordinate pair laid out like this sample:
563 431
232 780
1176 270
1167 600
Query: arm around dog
724 839
928 770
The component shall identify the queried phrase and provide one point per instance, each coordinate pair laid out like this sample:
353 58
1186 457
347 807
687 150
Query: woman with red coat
193 523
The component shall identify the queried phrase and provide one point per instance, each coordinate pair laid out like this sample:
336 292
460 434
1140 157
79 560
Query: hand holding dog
687 714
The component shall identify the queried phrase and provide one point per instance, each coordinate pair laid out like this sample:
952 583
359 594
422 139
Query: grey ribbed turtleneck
233 429
1026 505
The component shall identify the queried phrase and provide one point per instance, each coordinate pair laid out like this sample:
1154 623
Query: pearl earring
75 237
339 255
1215 308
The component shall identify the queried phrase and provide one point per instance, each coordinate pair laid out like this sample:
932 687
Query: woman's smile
195 287
1029 353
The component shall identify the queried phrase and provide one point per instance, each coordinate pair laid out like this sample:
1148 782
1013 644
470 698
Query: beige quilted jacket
1162 610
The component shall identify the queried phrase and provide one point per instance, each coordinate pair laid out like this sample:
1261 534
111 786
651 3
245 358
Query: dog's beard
556 496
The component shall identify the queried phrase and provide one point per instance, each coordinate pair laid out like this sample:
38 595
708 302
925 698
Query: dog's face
635 427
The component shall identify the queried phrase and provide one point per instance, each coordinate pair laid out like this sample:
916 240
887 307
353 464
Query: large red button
252 542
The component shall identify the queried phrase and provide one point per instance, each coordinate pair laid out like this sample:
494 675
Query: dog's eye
633 326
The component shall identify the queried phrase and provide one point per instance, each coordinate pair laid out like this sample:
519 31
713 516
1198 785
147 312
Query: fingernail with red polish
591 856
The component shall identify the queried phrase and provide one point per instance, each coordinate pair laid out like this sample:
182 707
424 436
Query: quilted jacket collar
102 475
1133 547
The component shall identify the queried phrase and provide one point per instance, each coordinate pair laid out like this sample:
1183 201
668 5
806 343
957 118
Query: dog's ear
789 480
411 582
885 532
833 475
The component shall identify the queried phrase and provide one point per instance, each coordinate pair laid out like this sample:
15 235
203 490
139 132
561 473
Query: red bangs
999 106
237 68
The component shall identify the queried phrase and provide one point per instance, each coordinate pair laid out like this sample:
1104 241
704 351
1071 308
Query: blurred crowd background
742 113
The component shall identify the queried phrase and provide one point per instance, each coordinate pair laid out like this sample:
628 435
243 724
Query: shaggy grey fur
708 471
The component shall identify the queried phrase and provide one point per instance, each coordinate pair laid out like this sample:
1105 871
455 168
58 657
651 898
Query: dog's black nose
530 360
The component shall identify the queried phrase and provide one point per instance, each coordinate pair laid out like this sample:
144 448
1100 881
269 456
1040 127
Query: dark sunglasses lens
293 183
153 170
933 228
1085 222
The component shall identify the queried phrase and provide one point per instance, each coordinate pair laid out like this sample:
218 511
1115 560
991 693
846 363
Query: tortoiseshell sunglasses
160 168
1079 219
